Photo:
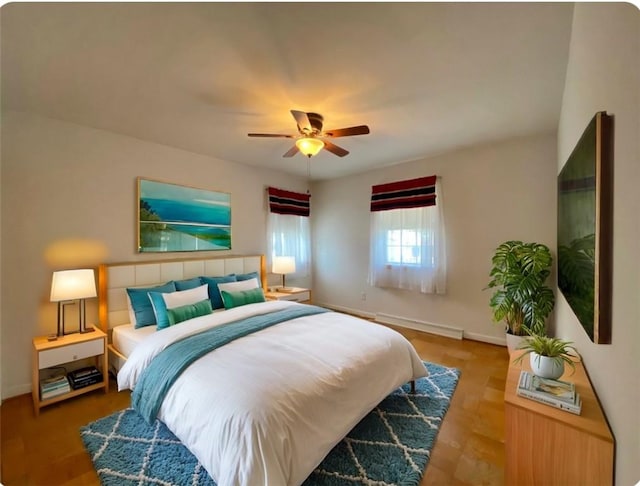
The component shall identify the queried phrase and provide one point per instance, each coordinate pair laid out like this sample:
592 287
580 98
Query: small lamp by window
69 285
283 265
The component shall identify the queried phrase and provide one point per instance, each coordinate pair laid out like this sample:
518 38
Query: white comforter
267 408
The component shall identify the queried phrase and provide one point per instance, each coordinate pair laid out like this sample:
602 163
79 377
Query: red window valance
412 193
288 202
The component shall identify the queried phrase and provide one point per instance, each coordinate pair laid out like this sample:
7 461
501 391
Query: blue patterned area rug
390 446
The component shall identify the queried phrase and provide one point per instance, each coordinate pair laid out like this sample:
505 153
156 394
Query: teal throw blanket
156 380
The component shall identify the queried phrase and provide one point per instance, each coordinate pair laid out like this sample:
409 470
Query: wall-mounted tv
585 214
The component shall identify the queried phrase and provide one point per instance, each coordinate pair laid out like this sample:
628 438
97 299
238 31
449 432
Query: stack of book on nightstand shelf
556 393
84 377
54 386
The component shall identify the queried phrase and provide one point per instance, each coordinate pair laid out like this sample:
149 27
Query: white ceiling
426 77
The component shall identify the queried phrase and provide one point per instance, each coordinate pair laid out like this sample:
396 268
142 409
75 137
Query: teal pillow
187 284
159 309
214 292
247 276
142 310
242 297
186 312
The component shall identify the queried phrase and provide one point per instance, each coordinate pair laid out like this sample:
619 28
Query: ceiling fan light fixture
309 146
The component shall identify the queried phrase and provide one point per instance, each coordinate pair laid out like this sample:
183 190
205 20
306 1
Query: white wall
69 200
603 74
492 193
0 302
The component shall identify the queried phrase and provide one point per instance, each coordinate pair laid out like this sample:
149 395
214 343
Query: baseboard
16 390
348 310
485 339
430 327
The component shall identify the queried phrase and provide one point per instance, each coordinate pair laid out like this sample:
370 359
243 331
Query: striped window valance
287 202
412 193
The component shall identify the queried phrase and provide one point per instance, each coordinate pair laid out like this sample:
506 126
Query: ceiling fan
311 138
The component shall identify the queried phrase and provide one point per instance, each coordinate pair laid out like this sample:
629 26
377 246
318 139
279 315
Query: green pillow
189 311
242 297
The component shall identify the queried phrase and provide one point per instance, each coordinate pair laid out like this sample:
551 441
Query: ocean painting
179 218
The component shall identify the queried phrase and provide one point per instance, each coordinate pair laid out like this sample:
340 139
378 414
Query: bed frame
115 278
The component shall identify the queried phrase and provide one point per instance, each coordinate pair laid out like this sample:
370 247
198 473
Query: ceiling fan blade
291 152
346 132
269 135
334 149
302 120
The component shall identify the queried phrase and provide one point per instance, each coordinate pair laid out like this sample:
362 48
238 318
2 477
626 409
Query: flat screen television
585 213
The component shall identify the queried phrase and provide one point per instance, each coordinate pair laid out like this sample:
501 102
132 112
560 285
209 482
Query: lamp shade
73 284
309 146
283 264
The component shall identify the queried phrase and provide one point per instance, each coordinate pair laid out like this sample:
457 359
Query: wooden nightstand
64 351
296 294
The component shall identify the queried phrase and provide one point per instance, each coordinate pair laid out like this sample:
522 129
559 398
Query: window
408 244
288 232
404 246
289 235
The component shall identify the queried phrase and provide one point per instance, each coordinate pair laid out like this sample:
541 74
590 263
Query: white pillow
252 283
186 297
162 301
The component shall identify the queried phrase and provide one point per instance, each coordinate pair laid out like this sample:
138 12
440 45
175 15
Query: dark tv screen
584 228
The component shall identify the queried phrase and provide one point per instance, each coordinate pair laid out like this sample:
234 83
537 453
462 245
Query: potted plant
547 355
521 298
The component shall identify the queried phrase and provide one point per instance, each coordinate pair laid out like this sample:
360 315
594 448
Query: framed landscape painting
585 228
179 218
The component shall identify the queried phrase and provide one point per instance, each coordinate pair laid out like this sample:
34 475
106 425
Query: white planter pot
546 367
513 342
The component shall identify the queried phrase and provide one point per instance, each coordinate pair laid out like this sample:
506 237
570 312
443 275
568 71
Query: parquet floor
469 449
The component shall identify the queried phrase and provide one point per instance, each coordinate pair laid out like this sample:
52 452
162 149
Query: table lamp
283 265
70 285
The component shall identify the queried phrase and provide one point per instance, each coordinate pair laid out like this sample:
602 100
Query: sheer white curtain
408 248
289 235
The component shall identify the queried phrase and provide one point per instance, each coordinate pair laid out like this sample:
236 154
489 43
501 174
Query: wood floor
469 449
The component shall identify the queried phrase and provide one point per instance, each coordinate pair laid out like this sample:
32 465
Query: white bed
267 408
125 338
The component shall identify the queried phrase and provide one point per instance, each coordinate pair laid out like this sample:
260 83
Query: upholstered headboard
115 278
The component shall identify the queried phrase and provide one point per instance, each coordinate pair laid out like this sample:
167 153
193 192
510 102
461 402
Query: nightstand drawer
296 296
72 352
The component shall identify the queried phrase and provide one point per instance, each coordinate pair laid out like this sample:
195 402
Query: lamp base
88 329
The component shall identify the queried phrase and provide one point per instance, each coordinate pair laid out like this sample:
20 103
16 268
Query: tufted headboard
115 278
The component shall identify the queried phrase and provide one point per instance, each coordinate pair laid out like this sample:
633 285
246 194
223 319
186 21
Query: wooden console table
549 446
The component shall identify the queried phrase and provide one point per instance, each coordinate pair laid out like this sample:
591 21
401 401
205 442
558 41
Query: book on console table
556 393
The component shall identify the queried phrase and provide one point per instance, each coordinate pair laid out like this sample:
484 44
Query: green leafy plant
522 299
554 348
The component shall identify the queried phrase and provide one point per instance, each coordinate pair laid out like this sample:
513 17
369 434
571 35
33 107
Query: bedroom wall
603 74
492 193
68 200
0 295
